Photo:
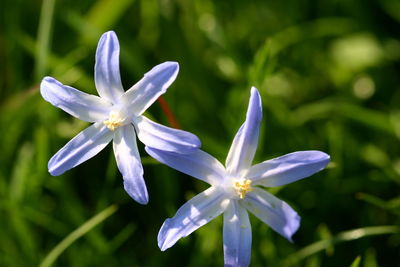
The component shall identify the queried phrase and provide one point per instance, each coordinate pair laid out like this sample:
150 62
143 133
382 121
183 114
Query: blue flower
235 189
116 115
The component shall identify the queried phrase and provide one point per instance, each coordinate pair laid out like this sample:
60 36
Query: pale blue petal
244 145
129 163
165 138
192 215
82 147
154 83
79 104
288 168
106 69
273 211
198 164
237 236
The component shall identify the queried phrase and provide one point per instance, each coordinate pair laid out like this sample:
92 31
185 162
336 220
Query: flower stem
168 113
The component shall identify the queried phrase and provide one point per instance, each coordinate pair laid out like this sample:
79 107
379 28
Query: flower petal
154 83
273 211
244 145
288 168
198 164
82 147
79 104
192 215
129 163
165 138
106 68
237 236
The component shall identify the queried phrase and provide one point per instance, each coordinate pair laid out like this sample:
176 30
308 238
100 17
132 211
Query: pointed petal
237 236
82 147
273 211
165 138
192 215
129 163
79 104
198 164
288 168
244 145
106 69
154 83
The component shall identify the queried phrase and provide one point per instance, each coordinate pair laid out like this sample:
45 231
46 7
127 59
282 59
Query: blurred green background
329 76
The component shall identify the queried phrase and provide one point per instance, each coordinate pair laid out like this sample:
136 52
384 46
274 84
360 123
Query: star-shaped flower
235 189
116 115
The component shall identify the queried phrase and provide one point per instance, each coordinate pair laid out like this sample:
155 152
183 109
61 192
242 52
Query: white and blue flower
116 115
235 189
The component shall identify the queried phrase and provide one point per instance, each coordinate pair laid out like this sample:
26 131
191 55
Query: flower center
242 187
114 121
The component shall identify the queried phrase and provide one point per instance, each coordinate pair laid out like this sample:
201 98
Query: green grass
328 73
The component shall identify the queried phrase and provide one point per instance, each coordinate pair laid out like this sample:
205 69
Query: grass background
329 75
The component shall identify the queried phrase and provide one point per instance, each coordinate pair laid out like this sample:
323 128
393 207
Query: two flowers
117 116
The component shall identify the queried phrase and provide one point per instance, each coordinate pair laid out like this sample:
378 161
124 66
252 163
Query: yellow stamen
242 187
114 121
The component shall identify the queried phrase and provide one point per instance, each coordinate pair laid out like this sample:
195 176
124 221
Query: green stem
79 232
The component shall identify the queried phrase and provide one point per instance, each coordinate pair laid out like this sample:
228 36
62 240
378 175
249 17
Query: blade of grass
44 221
315 29
76 212
378 202
23 232
122 236
341 237
113 9
96 23
44 36
325 108
73 75
20 173
356 262
79 232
